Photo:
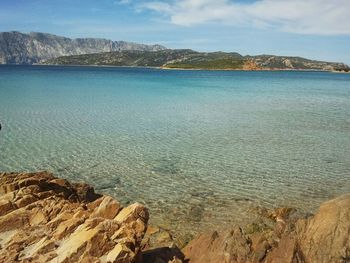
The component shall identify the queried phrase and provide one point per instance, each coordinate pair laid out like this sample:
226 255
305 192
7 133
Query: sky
316 29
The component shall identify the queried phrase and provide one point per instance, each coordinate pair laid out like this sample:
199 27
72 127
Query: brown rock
156 237
324 237
6 205
108 208
287 251
120 254
131 213
228 246
46 219
16 219
25 200
250 65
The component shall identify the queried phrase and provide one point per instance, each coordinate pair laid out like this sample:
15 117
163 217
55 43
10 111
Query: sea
201 149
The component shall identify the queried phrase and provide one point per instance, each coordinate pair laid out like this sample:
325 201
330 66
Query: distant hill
43 48
297 63
189 59
20 48
170 58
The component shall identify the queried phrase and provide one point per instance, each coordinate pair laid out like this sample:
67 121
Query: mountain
20 48
189 59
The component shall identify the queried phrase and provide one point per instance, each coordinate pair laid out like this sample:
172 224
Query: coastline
190 69
47 219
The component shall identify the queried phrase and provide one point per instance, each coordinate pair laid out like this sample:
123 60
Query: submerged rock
46 219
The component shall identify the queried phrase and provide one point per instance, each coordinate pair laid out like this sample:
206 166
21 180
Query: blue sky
318 29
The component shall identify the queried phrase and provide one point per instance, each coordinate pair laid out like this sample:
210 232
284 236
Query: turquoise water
197 147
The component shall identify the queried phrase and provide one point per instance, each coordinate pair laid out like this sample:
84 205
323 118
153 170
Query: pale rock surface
35 47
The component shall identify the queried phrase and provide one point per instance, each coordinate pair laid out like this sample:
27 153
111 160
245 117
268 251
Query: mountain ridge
35 47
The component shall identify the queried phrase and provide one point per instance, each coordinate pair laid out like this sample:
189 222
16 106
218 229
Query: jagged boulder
46 219
322 238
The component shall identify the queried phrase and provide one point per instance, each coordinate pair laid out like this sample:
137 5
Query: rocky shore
47 219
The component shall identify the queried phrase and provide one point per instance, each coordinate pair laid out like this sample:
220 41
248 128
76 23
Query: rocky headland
190 59
47 219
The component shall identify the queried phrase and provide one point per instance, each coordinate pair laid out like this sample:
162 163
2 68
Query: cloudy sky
318 29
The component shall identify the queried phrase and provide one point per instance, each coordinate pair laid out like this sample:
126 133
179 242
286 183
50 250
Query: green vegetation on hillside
189 59
215 60
184 58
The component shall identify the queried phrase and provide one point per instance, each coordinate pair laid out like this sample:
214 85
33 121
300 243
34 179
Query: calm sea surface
199 148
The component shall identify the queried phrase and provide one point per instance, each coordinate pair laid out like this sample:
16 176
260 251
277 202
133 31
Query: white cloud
324 17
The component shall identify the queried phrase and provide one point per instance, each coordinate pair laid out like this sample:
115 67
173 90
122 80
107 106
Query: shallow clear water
197 147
